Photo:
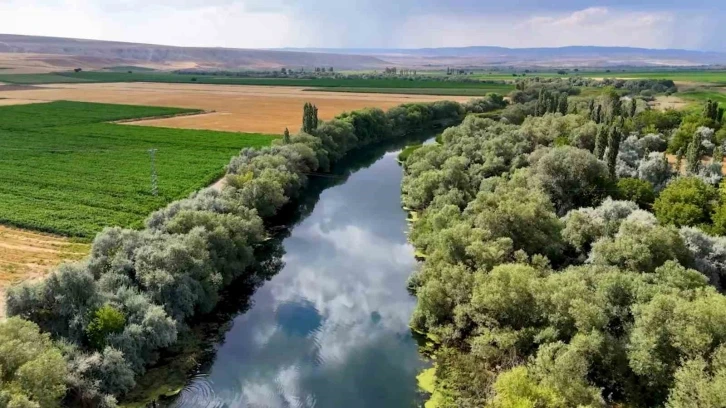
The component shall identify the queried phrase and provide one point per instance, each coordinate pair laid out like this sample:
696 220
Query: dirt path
26 255
237 108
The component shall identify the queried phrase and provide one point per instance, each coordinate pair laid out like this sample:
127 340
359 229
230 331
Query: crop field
703 76
473 92
255 109
30 79
27 255
703 95
392 85
64 170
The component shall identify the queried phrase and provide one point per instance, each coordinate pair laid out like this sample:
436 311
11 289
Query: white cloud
591 26
218 25
366 23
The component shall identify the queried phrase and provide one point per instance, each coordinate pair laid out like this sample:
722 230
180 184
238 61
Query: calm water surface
331 329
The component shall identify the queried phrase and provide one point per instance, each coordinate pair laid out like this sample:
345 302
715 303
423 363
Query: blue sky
375 23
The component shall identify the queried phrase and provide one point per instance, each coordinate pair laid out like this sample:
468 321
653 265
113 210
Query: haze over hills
51 53
547 56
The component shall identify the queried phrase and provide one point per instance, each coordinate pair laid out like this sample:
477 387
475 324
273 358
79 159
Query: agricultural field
473 92
27 255
255 109
706 94
392 85
65 170
701 76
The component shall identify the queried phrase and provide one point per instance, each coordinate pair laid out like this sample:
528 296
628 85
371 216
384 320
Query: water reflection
330 327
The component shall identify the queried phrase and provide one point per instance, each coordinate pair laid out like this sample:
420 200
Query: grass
427 382
704 95
408 151
712 76
479 91
62 113
70 173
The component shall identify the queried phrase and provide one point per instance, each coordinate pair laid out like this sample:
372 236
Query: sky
691 24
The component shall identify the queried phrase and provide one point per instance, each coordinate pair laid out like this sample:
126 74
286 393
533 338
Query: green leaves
33 369
106 320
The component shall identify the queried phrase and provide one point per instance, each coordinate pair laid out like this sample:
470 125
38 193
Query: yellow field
26 255
261 109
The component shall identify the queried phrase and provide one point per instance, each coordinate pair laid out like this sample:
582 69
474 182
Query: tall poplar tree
693 154
613 150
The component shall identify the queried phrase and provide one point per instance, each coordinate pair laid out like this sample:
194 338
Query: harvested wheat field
26 255
259 109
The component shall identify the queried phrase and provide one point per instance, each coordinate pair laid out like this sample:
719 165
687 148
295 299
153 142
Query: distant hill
554 56
50 53
120 53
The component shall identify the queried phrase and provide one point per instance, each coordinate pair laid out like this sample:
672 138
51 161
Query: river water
331 328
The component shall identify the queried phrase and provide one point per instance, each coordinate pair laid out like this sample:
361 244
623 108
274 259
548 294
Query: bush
639 191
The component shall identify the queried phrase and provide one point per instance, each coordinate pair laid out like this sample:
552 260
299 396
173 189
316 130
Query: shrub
106 320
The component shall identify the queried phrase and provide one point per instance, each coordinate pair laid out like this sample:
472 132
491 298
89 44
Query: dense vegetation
548 281
111 314
64 171
543 285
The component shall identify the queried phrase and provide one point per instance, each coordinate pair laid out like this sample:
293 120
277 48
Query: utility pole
154 179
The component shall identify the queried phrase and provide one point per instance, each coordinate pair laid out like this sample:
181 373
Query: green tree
614 139
286 137
572 178
693 154
601 142
310 118
107 320
687 201
639 191
34 373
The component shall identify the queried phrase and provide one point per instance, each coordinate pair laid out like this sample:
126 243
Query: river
331 328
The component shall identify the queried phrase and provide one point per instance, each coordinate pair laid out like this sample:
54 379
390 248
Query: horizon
407 24
293 49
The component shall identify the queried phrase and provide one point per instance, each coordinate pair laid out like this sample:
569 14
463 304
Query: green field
479 91
709 76
704 95
70 173
34 79
360 85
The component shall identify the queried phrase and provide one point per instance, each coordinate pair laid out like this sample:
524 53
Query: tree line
567 262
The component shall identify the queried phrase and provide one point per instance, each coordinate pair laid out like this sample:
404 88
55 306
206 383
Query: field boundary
172 115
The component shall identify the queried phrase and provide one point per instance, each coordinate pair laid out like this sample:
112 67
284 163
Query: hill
53 51
30 54
581 56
